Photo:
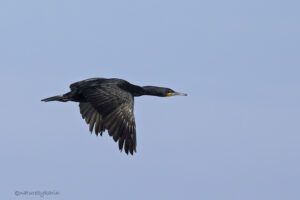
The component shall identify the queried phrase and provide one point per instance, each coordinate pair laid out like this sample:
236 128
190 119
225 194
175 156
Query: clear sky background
236 136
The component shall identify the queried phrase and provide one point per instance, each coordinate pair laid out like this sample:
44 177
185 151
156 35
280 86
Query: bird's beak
176 94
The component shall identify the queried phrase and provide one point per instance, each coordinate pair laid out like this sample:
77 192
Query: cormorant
107 104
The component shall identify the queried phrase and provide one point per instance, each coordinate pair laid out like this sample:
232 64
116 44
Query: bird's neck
152 90
135 90
146 90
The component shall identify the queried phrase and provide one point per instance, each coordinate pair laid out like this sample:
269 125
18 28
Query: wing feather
92 122
92 117
116 108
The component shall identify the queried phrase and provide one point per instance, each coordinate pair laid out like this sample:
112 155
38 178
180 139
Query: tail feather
61 98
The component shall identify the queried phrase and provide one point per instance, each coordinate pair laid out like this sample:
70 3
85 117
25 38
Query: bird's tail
61 98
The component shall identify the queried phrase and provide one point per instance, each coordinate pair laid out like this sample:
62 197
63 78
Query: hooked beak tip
179 94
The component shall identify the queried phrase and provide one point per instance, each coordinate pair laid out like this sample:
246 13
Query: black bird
107 104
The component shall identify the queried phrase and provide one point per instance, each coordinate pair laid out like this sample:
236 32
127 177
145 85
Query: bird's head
169 92
161 91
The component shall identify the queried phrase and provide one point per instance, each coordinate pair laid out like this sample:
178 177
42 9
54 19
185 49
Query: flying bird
107 104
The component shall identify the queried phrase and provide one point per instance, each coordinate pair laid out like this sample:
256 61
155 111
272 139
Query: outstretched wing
92 117
114 108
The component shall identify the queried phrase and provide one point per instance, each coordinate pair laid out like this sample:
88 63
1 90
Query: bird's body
107 104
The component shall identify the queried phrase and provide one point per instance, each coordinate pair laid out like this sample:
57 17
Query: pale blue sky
235 137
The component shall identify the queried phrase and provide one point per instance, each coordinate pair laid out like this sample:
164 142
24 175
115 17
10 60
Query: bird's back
122 85
94 82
